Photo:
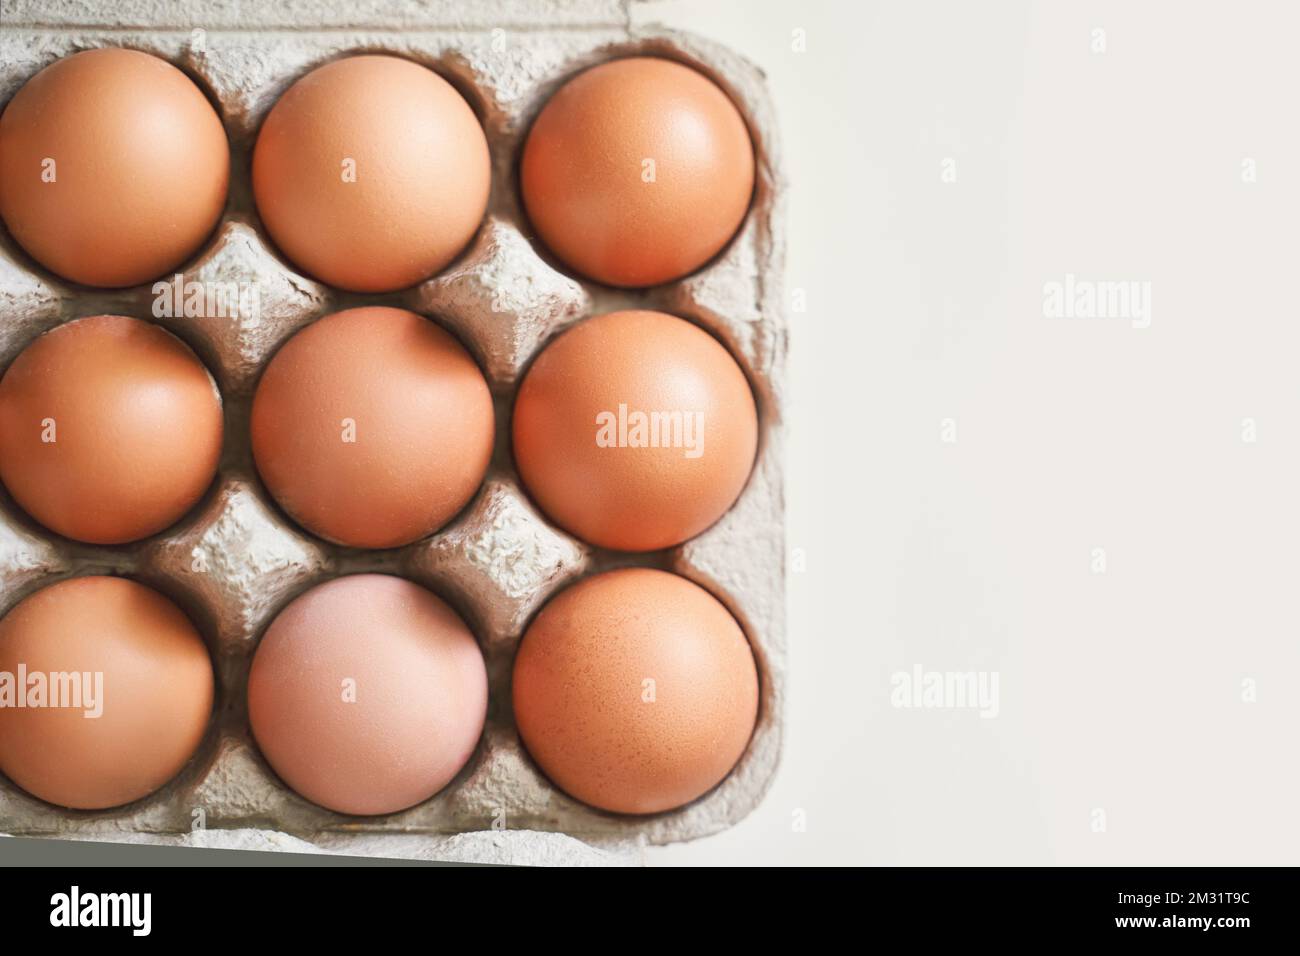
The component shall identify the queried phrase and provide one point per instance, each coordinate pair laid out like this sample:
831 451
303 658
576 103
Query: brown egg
637 171
113 167
372 427
371 173
635 430
635 691
110 429
125 685
367 694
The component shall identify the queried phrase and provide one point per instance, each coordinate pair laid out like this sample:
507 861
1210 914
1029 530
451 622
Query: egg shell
637 171
585 390
367 694
371 173
110 429
157 692
372 427
635 691
113 167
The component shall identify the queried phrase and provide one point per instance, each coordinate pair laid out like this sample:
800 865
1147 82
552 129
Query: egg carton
235 560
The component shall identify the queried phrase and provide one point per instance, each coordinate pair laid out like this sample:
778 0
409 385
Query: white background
1120 692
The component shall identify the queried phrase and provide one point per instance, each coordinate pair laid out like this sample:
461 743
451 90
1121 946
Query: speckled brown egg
635 691
372 427
637 171
367 695
371 173
635 430
110 429
113 167
125 692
